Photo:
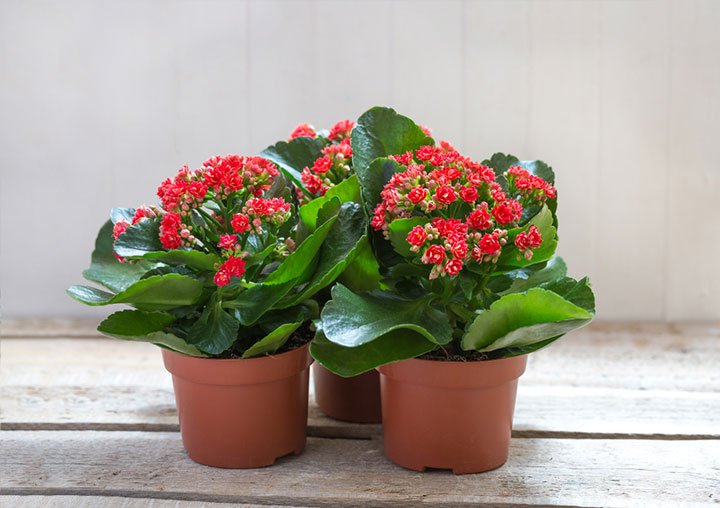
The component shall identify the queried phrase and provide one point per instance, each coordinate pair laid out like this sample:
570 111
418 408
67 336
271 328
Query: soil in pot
449 414
352 399
241 413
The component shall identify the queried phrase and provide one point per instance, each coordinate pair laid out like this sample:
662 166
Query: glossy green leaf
352 319
522 279
337 251
398 231
159 292
192 258
374 178
363 272
150 327
272 341
380 132
539 168
520 319
294 155
118 214
501 162
345 361
215 331
251 303
577 292
347 191
105 269
139 239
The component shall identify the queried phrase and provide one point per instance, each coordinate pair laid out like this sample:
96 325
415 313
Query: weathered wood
116 502
341 473
52 327
630 380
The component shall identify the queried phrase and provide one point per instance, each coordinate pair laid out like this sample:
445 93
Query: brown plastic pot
241 413
449 415
352 399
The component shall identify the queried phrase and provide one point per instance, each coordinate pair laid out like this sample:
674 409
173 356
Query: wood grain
339 473
637 380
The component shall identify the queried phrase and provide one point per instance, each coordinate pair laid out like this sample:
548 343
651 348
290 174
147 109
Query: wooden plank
116 502
340 473
607 380
49 327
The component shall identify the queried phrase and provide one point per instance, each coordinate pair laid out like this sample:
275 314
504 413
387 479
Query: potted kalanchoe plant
320 164
473 286
222 277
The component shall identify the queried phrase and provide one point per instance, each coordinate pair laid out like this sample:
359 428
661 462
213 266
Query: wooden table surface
612 415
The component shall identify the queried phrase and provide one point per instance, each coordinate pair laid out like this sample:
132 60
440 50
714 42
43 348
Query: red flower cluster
225 175
233 267
463 204
341 130
335 164
184 192
173 233
304 129
530 186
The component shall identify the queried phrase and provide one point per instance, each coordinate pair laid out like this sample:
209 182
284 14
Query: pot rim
237 371
449 374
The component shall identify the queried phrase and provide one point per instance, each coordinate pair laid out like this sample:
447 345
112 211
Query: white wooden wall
102 100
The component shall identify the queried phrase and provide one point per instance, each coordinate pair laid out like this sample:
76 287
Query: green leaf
192 258
380 132
521 319
215 331
159 292
577 292
146 327
105 269
253 302
363 272
294 155
522 279
501 162
351 319
272 341
346 191
394 346
544 222
337 251
139 239
118 214
398 231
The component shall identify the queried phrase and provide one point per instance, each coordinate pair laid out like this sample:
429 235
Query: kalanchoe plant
222 268
467 250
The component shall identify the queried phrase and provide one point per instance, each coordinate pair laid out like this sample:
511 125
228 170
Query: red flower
459 249
468 194
453 267
445 194
222 278
534 237
240 223
312 182
417 236
341 130
119 228
507 212
322 165
227 241
426 130
378 220
403 159
479 219
489 244
434 254
425 153
417 194
233 267
304 129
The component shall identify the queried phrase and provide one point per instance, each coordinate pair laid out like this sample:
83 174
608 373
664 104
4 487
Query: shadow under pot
449 415
352 399
241 413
